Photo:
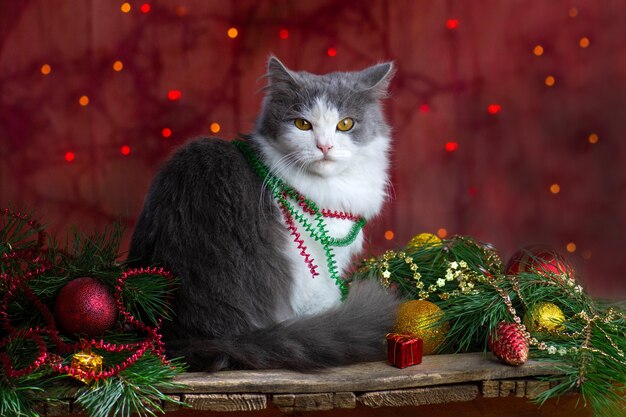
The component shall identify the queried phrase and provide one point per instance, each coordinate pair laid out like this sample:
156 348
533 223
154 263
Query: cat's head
320 123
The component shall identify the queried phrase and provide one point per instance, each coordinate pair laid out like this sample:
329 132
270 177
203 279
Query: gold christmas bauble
544 317
424 239
420 317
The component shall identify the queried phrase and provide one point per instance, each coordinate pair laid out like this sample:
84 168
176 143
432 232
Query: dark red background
454 59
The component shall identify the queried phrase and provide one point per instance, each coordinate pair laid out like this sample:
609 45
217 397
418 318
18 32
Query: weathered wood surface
372 376
226 402
438 379
419 396
290 403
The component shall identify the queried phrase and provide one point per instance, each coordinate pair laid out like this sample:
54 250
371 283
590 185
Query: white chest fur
310 295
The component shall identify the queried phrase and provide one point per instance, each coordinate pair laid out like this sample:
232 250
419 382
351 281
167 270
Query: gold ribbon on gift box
400 339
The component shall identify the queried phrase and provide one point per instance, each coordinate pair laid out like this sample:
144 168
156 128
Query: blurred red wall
469 73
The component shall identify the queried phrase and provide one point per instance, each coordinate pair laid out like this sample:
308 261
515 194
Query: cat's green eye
345 124
303 124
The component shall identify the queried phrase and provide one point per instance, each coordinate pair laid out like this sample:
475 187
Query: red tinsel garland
18 283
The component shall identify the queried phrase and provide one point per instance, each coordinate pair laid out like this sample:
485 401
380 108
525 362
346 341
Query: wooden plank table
441 385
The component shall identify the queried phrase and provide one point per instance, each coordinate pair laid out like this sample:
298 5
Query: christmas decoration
544 317
404 349
317 229
424 239
542 260
467 280
84 306
87 362
509 344
121 371
468 261
421 318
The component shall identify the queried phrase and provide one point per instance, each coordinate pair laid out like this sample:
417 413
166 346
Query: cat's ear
376 79
278 73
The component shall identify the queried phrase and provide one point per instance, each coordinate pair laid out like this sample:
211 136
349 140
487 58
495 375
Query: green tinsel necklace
316 228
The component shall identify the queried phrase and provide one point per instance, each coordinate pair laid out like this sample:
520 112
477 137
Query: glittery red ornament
85 306
541 260
509 344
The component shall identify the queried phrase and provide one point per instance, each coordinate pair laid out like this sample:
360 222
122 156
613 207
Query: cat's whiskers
277 169
284 163
303 164
300 163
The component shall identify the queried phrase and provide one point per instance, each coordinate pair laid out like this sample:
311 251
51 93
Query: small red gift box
404 349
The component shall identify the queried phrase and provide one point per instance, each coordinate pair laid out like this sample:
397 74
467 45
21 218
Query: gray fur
202 220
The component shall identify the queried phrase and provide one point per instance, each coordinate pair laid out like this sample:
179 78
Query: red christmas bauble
85 306
541 260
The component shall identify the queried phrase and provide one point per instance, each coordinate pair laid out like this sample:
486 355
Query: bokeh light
232 33
215 127
494 108
452 24
451 146
584 42
174 95
555 188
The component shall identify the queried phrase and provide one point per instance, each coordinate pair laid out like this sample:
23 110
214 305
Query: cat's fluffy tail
351 332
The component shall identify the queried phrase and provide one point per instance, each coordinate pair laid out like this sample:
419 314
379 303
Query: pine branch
135 390
148 297
18 397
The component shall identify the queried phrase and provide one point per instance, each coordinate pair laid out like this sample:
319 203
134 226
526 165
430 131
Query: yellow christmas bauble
544 317
424 239
420 317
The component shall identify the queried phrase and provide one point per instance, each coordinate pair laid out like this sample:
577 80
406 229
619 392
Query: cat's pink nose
324 148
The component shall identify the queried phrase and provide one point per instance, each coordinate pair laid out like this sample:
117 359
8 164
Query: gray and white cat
250 295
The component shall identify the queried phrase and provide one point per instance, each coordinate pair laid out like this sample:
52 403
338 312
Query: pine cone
509 344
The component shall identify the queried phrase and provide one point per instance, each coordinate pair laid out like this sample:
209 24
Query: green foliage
466 280
147 297
26 395
137 389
